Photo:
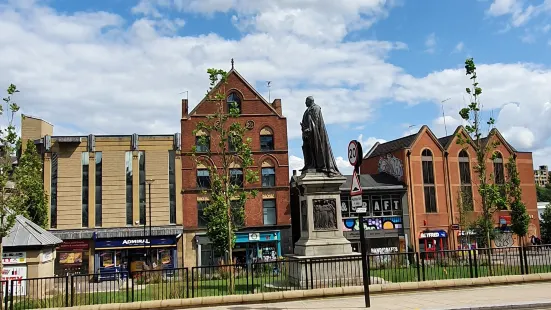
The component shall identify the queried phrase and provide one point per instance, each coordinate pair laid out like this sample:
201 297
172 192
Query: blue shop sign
135 242
433 234
257 237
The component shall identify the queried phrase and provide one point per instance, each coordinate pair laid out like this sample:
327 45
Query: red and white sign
353 152
14 258
355 188
17 274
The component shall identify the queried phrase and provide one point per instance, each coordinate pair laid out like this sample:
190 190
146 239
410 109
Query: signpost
355 156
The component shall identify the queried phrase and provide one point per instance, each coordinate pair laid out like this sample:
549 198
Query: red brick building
267 217
434 170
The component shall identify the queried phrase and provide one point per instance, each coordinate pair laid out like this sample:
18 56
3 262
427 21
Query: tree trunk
4 286
230 253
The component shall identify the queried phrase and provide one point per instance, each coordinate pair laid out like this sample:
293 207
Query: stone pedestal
322 255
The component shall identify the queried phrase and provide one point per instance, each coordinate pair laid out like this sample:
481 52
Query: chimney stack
184 109
277 106
294 173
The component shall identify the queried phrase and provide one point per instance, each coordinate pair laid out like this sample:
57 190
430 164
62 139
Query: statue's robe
317 151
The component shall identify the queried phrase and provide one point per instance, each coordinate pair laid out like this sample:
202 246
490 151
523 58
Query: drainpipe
449 198
412 210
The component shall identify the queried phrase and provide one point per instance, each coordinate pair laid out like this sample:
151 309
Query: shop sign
254 236
73 245
47 256
16 274
114 243
466 233
433 234
14 258
386 250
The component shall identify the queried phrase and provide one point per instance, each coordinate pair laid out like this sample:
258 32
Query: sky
379 69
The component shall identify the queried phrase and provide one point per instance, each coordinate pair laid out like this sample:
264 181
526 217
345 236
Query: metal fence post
311 275
11 294
252 278
66 291
127 286
72 291
192 283
527 271
423 266
247 266
6 295
131 275
187 282
471 264
475 262
306 274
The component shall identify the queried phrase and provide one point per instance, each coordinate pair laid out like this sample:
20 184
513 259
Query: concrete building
266 232
435 170
99 198
541 176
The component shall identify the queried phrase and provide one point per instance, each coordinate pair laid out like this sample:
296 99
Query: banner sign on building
16 274
135 242
14 258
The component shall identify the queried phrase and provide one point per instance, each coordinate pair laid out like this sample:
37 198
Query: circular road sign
353 152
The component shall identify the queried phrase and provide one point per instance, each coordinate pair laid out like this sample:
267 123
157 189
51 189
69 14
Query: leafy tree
465 212
225 209
545 225
29 176
491 194
519 217
543 193
11 196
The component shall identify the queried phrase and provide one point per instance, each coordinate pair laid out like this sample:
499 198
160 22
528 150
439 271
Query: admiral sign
135 242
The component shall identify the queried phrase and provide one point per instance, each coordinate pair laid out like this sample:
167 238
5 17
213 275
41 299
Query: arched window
429 187
268 173
203 177
202 141
499 174
236 175
465 177
234 102
233 142
266 139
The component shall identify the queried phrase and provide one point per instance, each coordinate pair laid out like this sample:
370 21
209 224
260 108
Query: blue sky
379 69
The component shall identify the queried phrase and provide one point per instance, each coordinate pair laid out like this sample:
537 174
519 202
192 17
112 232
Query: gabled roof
374 181
444 143
26 233
233 71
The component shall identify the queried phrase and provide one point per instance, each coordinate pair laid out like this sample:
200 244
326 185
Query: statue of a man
318 156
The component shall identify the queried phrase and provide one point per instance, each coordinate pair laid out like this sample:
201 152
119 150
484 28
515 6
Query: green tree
226 146
545 225
519 217
464 214
29 181
490 193
543 193
11 196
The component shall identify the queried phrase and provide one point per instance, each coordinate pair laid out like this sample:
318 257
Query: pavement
522 296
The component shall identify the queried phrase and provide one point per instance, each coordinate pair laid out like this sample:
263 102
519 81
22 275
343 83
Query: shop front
432 241
467 240
249 247
73 257
384 234
130 254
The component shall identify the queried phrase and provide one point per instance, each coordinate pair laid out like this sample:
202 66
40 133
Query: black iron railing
270 276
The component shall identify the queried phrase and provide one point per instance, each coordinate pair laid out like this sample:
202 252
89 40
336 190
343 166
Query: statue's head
309 101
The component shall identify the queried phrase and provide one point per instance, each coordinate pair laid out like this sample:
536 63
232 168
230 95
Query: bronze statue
318 156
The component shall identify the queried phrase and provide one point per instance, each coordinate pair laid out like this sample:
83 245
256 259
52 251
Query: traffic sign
355 188
356 202
353 152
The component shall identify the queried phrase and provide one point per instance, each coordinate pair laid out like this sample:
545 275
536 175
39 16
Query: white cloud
368 143
520 137
459 47
344 166
430 43
295 163
519 13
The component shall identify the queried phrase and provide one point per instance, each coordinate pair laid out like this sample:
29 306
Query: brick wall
253 109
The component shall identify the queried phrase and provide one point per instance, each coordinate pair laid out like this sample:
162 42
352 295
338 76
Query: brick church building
434 170
266 232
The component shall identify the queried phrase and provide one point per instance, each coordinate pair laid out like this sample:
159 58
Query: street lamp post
149 182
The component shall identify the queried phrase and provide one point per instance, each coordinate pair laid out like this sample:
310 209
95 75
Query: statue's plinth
322 247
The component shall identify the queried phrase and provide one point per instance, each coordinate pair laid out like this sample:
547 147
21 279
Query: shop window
429 187
172 185
345 206
53 191
268 177
266 139
202 142
71 262
203 178
129 190
141 165
269 210
465 178
396 202
499 175
377 203
85 161
201 218
234 103
99 189
236 177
